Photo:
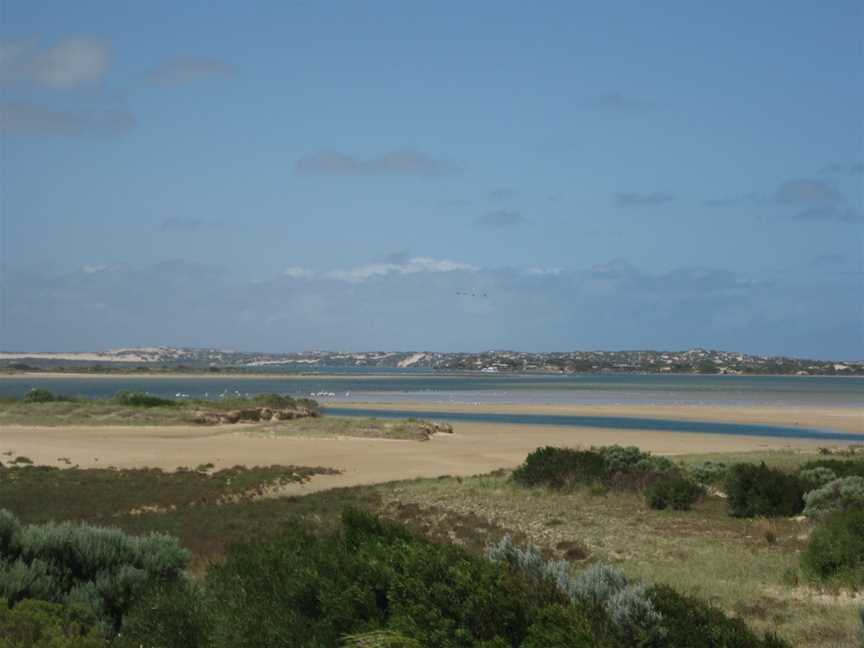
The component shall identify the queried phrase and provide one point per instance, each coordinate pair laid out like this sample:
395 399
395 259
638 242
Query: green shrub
691 622
39 396
709 472
166 616
300 590
762 491
841 468
100 571
379 639
816 477
560 626
613 466
560 468
836 550
39 624
840 495
10 534
140 399
673 491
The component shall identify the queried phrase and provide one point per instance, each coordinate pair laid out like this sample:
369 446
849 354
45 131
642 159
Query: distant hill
700 361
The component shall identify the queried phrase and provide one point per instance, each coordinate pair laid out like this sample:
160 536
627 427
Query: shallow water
465 388
608 422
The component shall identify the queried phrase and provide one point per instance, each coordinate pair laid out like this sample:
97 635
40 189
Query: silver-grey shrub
626 604
818 476
840 495
97 570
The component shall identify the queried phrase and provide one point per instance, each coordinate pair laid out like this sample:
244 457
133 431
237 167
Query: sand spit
472 448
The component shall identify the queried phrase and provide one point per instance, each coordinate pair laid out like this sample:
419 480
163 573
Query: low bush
168 615
836 550
762 491
622 613
379 639
673 491
560 468
141 399
709 473
621 468
691 622
39 396
39 624
845 494
97 571
816 477
840 468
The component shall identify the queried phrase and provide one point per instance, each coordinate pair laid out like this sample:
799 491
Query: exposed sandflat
838 419
473 448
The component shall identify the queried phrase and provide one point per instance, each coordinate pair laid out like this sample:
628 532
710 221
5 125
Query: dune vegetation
525 550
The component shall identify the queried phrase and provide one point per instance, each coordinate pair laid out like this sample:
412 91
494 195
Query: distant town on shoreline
202 360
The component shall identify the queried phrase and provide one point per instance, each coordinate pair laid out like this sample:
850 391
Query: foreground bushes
762 491
38 624
836 550
382 586
96 572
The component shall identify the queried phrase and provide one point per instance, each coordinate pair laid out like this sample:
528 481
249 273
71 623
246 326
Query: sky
439 176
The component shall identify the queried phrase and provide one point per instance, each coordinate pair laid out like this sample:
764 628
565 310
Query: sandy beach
473 447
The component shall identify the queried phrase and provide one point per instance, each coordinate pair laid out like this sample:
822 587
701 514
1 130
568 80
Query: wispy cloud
807 192
500 218
502 194
612 305
632 199
839 213
845 168
617 102
396 163
178 71
801 199
70 63
412 266
25 118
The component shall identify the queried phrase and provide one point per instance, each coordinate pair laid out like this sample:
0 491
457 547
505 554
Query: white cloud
412 266
297 272
71 63
26 118
543 272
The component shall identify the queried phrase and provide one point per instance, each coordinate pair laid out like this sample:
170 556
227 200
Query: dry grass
330 427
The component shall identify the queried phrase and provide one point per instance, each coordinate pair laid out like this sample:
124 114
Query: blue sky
336 175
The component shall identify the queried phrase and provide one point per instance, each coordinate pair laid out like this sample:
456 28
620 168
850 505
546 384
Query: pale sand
473 447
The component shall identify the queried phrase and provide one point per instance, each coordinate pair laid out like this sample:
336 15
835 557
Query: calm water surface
420 386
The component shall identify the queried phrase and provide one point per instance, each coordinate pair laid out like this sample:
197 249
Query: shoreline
390 372
835 419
